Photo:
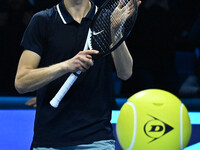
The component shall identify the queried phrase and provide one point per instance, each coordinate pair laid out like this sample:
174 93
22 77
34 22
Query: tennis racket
111 25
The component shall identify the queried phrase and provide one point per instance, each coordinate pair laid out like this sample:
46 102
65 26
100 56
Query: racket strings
101 39
106 23
107 39
125 23
103 23
103 45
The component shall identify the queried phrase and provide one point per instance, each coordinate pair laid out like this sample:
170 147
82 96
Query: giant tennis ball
153 119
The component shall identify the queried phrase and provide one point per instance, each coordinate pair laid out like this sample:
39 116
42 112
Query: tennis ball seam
135 125
181 126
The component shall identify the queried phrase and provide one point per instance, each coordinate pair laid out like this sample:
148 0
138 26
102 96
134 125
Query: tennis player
53 44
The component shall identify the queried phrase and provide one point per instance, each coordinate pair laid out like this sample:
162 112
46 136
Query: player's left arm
122 58
123 62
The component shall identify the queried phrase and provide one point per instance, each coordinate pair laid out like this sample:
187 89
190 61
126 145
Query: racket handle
64 89
70 80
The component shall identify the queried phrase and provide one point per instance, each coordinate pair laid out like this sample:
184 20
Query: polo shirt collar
67 18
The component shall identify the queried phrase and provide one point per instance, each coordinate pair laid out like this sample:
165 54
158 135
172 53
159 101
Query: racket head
112 24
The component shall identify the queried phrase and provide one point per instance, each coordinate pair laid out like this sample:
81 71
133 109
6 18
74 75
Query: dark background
164 44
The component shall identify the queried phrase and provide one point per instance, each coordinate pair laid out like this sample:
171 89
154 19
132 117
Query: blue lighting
195 118
193 147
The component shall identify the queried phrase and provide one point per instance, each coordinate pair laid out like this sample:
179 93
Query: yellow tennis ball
153 119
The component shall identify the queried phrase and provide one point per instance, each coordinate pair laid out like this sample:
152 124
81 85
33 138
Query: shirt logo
96 33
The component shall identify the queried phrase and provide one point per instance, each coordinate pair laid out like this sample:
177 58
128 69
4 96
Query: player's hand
122 12
80 62
31 102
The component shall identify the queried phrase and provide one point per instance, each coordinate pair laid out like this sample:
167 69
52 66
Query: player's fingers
131 9
92 54
130 3
128 7
86 62
90 62
82 69
120 4
139 2
88 52
89 56
31 102
85 66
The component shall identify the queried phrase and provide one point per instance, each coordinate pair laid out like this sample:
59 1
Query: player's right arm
30 78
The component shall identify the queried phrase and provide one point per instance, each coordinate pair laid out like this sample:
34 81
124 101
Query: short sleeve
34 35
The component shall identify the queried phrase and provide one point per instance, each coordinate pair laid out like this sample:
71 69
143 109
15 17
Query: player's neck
77 8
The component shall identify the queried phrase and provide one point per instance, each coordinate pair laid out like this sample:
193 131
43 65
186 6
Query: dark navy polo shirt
84 114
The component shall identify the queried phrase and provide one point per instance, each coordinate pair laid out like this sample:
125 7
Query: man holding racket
53 44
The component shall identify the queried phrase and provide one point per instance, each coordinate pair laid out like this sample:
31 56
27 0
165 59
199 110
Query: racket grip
64 89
